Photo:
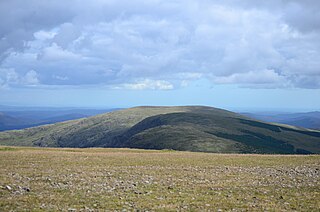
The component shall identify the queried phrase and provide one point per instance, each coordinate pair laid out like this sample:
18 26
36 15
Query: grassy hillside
87 132
26 118
192 128
48 179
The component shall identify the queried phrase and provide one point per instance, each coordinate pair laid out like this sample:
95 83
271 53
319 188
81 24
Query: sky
233 54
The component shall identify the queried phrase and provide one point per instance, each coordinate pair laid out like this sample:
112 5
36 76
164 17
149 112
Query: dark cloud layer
159 44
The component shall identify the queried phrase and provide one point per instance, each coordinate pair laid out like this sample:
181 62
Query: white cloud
265 77
56 53
31 78
44 35
146 84
60 77
8 77
190 75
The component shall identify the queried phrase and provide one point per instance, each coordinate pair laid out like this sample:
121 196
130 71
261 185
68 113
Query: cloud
9 77
56 53
31 78
251 77
44 35
308 19
272 43
146 84
60 77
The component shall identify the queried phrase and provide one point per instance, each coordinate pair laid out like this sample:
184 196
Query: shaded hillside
191 128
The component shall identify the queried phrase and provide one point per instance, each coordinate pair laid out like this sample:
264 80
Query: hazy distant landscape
306 120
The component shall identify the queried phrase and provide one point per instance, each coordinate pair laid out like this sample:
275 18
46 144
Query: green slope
192 128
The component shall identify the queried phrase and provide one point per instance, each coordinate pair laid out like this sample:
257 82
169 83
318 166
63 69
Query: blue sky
230 54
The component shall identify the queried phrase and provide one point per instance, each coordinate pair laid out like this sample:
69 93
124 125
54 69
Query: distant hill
190 128
307 120
8 122
13 118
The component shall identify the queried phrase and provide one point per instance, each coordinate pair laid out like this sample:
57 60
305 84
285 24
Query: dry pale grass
122 179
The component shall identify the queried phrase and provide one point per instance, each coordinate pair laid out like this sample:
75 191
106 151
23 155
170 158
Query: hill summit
187 128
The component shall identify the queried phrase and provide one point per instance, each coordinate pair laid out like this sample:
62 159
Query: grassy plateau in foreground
42 179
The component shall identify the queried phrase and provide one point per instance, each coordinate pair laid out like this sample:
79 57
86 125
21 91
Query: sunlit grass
62 179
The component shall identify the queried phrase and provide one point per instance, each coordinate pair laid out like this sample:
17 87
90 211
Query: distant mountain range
189 128
13 118
307 120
